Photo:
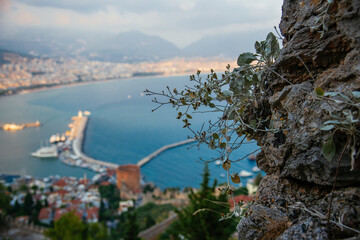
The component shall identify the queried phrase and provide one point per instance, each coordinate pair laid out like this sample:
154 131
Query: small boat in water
12 127
218 162
46 152
252 157
256 169
244 173
56 138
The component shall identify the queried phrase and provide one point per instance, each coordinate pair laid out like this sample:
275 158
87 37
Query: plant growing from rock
343 117
233 96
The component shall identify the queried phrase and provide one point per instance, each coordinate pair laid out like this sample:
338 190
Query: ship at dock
56 138
15 127
46 152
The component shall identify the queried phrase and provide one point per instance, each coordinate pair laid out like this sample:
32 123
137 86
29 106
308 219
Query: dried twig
315 213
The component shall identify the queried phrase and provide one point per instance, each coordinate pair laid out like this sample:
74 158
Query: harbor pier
77 135
162 149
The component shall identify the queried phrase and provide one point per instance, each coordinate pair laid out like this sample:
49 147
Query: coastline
156 171
72 84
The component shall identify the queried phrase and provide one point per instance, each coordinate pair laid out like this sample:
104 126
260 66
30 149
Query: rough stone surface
297 172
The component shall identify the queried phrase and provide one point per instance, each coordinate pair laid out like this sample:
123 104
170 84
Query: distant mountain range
132 46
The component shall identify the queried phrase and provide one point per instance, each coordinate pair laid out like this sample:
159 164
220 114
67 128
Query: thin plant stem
335 178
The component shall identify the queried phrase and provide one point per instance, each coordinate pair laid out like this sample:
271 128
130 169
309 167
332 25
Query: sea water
122 129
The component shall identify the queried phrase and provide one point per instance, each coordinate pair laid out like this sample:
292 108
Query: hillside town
20 72
43 201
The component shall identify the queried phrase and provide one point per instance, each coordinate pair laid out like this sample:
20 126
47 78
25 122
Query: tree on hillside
69 226
149 221
4 204
28 204
112 194
131 228
96 231
204 224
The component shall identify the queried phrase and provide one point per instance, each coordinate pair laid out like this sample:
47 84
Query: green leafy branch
233 96
343 118
320 25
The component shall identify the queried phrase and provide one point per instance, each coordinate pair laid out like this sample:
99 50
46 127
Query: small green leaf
227 93
331 94
257 47
223 145
211 105
332 122
231 115
327 127
356 94
246 58
216 136
319 91
253 123
345 97
329 149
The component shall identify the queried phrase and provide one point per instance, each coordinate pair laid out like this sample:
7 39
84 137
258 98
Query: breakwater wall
78 130
77 135
162 149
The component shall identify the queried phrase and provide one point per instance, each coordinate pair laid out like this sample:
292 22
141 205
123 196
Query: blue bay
122 129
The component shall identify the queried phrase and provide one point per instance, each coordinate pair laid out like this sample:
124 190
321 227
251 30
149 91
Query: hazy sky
179 21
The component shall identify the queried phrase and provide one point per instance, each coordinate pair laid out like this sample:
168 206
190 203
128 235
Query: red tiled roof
45 213
83 181
61 211
110 172
92 213
60 183
62 192
93 186
105 183
239 198
76 201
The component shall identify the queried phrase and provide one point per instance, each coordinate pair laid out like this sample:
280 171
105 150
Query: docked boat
244 173
12 127
56 138
218 162
256 169
52 139
46 152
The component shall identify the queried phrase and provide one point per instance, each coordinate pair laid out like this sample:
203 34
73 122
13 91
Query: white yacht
244 173
218 162
46 152
256 169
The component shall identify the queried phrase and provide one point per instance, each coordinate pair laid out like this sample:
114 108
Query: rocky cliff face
321 49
